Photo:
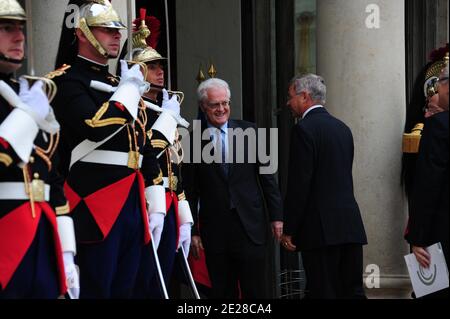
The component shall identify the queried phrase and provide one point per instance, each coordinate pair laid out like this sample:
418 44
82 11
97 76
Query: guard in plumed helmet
107 155
34 227
424 103
177 218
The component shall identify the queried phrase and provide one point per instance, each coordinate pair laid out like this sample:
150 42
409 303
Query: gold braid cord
58 72
142 123
28 189
159 179
47 154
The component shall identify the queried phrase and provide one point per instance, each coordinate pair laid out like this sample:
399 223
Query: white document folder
428 280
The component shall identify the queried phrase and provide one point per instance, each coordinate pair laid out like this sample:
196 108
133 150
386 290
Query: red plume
153 24
143 13
438 54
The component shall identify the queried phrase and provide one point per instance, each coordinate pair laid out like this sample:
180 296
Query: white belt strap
108 157
16 191
85 147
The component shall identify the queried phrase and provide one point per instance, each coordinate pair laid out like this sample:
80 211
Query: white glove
72 276
50 125
156 225
35 100
185 238
173 104
133 75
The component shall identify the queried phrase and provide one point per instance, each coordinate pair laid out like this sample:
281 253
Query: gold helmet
440 58
98 13
12 10
147 55
142 52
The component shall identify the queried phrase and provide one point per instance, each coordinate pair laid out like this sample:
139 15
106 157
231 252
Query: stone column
47 17
364 69
209 31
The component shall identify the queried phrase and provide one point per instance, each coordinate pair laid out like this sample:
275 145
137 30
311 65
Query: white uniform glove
173 105
72 276
133 75
156 225
35 100
185 238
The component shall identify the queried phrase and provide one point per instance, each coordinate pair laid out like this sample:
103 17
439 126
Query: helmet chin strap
91 38
10 60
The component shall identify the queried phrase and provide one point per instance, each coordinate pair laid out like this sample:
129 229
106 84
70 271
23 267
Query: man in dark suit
429 211
322 217
232 196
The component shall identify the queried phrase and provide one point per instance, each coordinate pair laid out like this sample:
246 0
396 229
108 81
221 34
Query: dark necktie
224 163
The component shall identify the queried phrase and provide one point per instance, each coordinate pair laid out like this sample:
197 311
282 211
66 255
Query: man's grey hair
312 84
214 83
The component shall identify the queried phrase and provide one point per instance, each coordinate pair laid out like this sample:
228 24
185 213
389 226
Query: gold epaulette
62 210
5 159
97 122
58 72
411 141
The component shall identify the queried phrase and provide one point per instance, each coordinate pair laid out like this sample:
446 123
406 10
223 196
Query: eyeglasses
216 105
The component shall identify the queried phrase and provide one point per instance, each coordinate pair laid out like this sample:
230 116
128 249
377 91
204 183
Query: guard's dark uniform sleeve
77 111
58 199
429 192
154 153
301 169
176 168
181 194
151 169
